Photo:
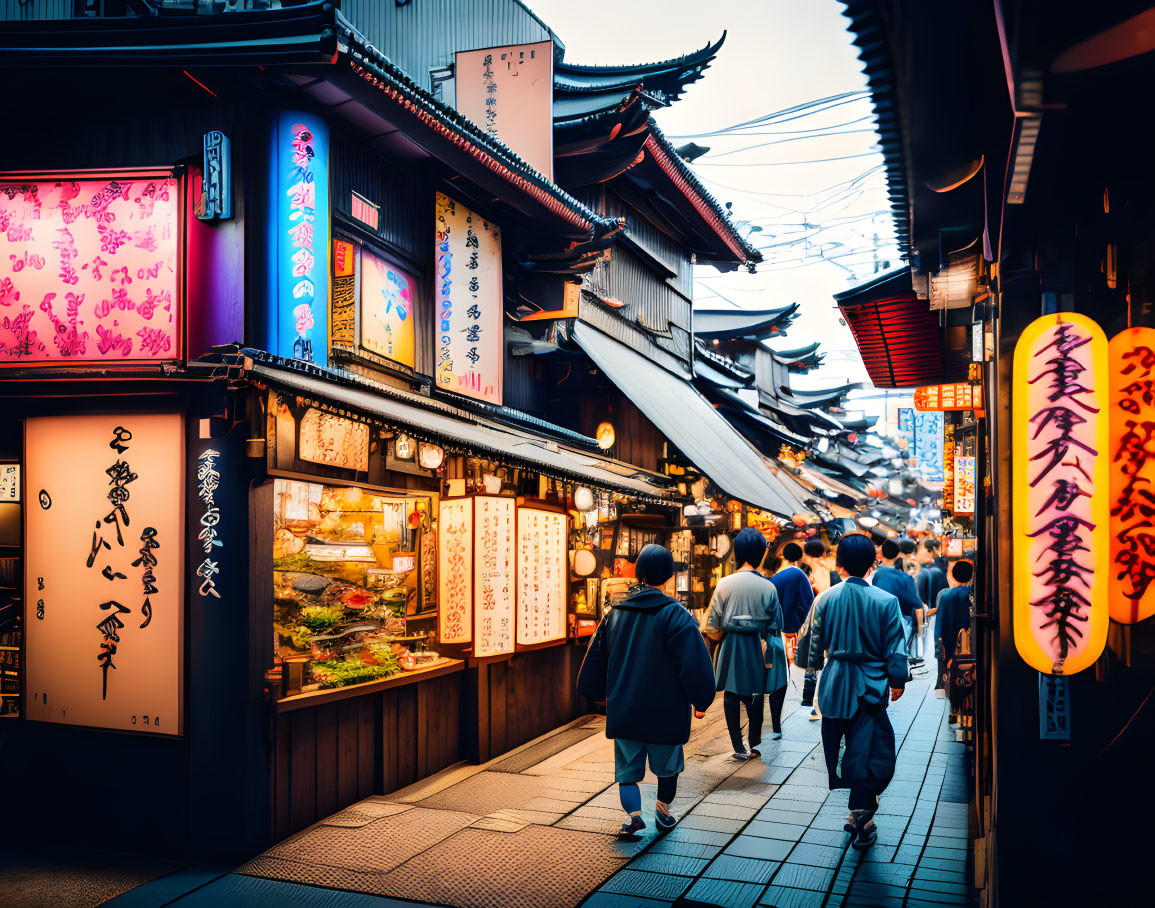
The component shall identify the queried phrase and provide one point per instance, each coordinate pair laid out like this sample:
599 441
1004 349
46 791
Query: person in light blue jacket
746 616
859 629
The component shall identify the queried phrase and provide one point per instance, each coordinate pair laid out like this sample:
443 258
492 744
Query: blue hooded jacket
649 663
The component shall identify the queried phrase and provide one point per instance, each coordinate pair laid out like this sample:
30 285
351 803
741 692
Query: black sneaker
866 837
665 821
630 829
809 702
742 757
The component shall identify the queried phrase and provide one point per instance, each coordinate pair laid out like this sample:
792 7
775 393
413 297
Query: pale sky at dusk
778 53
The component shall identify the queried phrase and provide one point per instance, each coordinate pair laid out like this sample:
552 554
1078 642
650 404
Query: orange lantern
1132 421
1061 493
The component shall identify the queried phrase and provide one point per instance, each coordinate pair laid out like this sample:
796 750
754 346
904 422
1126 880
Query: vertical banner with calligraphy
1132 423
468 294
1062 493
542 575
90 270
928 439
948 459
104 550
343 299
508 92
494 575
964 486
299 221
455 569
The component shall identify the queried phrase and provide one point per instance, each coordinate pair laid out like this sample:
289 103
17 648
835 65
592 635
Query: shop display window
354 584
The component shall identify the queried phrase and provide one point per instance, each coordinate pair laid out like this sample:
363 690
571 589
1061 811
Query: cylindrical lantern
1132 421
1061 493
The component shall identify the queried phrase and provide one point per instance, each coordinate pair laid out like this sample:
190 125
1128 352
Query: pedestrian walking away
648 663
859 629
796 596
954 614
891 578
822 578
746 617
931 580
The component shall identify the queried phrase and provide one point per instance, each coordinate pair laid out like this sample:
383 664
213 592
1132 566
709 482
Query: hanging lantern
1132 364
583 499
430 457
1062 486
605 436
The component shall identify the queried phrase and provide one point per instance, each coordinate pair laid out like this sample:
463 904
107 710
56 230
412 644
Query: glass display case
354 584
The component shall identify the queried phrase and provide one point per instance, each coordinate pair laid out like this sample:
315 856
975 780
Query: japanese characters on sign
89 270
218 184
964 485
468 296
1061 493
386 310
208 479
957 396
542 575
928 445
334 440
455 569
1054 708
1132 424
9 482
301 227
343 302
508 92
103 543
493 575
948 459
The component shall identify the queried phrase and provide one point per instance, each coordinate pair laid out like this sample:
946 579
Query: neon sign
1061 493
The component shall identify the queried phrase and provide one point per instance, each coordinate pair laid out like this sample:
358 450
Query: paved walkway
534 829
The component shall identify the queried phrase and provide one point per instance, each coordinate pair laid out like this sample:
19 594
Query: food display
351 584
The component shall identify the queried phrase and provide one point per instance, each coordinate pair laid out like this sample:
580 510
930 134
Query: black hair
962 571
815 548
655 565
856 554
890 549
749 547
792 552
907 545
931 545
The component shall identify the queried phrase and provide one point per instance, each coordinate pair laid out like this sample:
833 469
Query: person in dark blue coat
899 584
794 590
649 663
954 613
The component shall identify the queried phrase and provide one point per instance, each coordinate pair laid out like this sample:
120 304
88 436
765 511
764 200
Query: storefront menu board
468 295
104 547
542 575
89 270
455 569
387 310
493 575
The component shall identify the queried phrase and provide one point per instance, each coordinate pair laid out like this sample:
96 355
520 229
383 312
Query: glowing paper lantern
1061 493
1132 424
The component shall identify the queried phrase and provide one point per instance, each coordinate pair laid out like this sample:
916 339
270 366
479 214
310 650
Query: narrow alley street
534 829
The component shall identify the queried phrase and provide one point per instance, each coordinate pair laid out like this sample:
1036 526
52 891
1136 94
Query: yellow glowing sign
1061 493
104 553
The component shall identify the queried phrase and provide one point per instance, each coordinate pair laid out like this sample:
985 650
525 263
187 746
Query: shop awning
456 428
687 419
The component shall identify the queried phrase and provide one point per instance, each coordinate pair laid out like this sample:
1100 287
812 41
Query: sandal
867 836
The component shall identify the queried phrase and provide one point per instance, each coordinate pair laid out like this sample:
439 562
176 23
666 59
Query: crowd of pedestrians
856 613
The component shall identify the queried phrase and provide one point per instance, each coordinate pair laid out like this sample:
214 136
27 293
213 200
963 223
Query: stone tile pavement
764 833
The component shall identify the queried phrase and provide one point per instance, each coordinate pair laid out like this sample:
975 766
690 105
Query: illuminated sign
964 485
299 323
208 481
542 575
333 440
104 548
957 396
403 564
365 211
1061 493
1132 424
928 445
948 459
89 270
508 92
343 299
386 310
455 569
9 482
493 575
469 338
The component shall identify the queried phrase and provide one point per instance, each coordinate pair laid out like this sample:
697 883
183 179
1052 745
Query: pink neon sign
89 270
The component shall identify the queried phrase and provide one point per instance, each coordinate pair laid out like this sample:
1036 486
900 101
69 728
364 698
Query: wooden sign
1061 493
1132 425
542 575
334 441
